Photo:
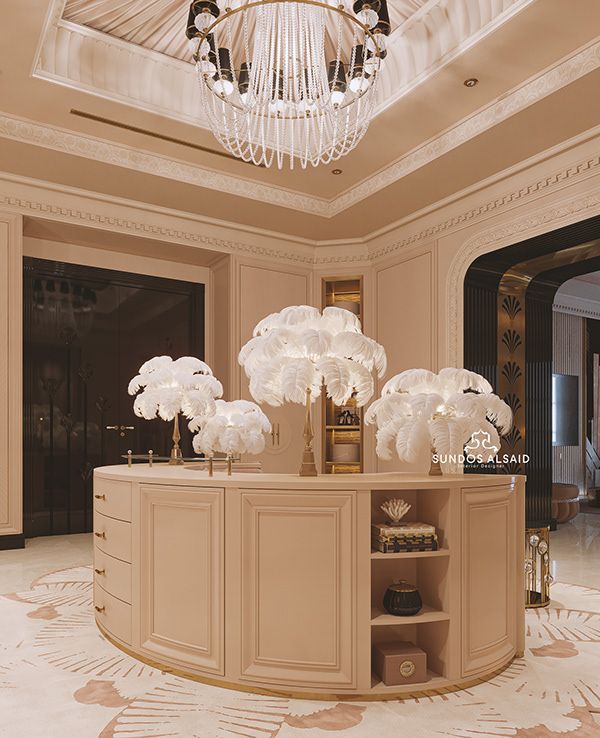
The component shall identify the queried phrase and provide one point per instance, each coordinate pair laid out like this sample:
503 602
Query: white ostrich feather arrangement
419 409
237 427
169 387
301 348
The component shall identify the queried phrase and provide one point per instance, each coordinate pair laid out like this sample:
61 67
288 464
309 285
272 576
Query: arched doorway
507 320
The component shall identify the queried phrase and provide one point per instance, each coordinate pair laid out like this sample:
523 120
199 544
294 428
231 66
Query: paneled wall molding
11 371
541 220
71 54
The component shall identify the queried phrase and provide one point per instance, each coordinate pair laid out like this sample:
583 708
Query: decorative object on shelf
295 352
402 537
288 79
445 412
402 599
347 417
537 567
186 386
399 662
236 427
395 510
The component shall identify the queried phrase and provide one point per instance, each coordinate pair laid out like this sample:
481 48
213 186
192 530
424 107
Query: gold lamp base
176 457
308 468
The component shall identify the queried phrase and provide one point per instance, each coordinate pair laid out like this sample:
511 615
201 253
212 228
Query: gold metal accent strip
152 134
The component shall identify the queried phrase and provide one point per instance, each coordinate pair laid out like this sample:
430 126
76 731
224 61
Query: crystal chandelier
288 80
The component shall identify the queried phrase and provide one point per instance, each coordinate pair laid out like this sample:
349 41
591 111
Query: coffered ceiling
100 94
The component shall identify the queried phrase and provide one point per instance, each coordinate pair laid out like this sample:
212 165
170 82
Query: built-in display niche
343 425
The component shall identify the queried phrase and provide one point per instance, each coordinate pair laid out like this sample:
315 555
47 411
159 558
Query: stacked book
390 538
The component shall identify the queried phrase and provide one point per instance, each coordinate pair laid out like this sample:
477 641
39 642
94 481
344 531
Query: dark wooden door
86 333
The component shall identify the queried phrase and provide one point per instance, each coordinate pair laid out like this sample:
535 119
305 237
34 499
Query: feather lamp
295 352
420 409
169 387
237 427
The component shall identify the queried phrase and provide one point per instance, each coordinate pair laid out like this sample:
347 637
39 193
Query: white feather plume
169 387
300 348
418 408
237 427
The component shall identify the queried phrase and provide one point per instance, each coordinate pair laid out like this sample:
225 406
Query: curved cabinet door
489 562
181 576
297 589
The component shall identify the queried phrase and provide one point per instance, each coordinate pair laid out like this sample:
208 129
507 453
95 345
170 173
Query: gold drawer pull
99 609
100 497
100 535
100 571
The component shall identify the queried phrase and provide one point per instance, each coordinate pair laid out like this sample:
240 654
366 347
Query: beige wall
11 372
413 273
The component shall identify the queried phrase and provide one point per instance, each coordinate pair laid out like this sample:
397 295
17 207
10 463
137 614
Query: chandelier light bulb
207 67
368 17
376 43
337 97
203 20
359 84
223 87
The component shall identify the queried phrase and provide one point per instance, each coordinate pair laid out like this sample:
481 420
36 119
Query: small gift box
399 663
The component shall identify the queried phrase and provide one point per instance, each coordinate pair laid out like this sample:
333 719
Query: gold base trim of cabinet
407 694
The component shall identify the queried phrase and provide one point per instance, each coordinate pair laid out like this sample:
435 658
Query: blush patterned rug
59 678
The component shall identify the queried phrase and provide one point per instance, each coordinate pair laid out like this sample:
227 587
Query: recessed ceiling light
336 171
471 82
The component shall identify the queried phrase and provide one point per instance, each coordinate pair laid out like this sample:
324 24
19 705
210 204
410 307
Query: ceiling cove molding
67 204
108 152
534 223
77 207
79 55
69 50
559 178
551 80
577 306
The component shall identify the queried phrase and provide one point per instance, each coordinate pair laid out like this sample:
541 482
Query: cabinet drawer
112 536
113 498
112 614
113 575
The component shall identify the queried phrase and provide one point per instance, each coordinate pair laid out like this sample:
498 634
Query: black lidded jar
402 599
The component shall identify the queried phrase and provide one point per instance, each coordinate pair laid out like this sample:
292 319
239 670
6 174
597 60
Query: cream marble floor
19 568
60 679
575 551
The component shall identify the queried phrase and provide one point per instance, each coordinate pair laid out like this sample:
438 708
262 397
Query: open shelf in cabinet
342 442
428 571
431 636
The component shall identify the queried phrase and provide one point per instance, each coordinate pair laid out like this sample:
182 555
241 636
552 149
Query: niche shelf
343 441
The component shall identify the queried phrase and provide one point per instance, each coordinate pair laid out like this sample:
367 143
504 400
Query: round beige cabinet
271 583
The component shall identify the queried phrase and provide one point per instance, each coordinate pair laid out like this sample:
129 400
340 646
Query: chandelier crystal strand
288 80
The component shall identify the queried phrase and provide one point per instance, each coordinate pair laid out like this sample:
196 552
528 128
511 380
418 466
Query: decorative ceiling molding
108 152
54 56
72 205
551 80
533 223
511 198
577 306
